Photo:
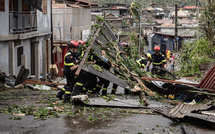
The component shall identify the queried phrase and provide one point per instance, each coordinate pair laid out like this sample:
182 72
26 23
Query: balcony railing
22 22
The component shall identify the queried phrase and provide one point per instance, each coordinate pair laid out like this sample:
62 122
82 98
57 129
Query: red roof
192 7
209 80
113 8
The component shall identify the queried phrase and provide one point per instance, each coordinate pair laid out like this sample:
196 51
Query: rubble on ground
126 73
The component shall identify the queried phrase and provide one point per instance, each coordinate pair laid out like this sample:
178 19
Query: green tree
136 10
207 21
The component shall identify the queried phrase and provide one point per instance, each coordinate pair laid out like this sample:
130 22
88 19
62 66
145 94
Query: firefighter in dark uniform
158 60
142 62
81 80
91 81
70 67
102 83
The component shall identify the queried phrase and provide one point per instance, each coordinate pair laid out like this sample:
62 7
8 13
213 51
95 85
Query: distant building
70 18
71 21
25 36
164 36
117 11
182 14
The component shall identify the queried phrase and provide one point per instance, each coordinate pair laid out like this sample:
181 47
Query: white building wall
81 21
40 54
4 56
44 20
4 20
27 52
43 25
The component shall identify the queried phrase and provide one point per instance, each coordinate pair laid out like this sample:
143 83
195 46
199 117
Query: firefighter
91 81
81 80
158 61
70 65
88 81
142 62
102 83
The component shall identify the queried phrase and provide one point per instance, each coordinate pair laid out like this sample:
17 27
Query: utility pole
139 34
176 27
197 17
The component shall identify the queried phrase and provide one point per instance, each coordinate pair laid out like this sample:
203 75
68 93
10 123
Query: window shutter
44 6
2 6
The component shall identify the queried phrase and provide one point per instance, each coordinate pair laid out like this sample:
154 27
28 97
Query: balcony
22 22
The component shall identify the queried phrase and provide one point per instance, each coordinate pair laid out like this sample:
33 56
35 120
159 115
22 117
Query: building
117 11
164 36
182 14
25 32
71 21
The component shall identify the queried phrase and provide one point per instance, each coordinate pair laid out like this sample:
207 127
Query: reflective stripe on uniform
143 65
98 86
163 60
68 64
113 89
94 88
84 89
63 89
157 63
90 91
67 92
79 84
104 88
82 54
138 61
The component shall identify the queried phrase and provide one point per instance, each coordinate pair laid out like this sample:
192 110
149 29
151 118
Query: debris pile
125 72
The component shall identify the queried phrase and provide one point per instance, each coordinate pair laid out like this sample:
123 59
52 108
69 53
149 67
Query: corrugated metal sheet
181 110
209 80
184 109
207 118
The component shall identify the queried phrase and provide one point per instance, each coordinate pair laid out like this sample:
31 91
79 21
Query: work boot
60 95
104 92
67 98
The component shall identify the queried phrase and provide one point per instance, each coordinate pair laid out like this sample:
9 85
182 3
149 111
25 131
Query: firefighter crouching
143 61
158 60
70 66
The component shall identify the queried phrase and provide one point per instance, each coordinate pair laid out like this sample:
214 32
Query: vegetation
207 21
193 54
200 51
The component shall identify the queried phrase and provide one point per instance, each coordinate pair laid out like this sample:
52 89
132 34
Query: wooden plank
11 62
169 81
110 31
22 76
145 89
87 52
107 76
39 82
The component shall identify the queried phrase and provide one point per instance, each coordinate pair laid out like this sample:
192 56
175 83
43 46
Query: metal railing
22 22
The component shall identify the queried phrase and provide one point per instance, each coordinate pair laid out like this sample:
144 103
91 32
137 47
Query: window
2 6
44 6
13 5
25 7
19 55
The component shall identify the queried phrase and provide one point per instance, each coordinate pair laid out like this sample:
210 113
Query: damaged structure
25 36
